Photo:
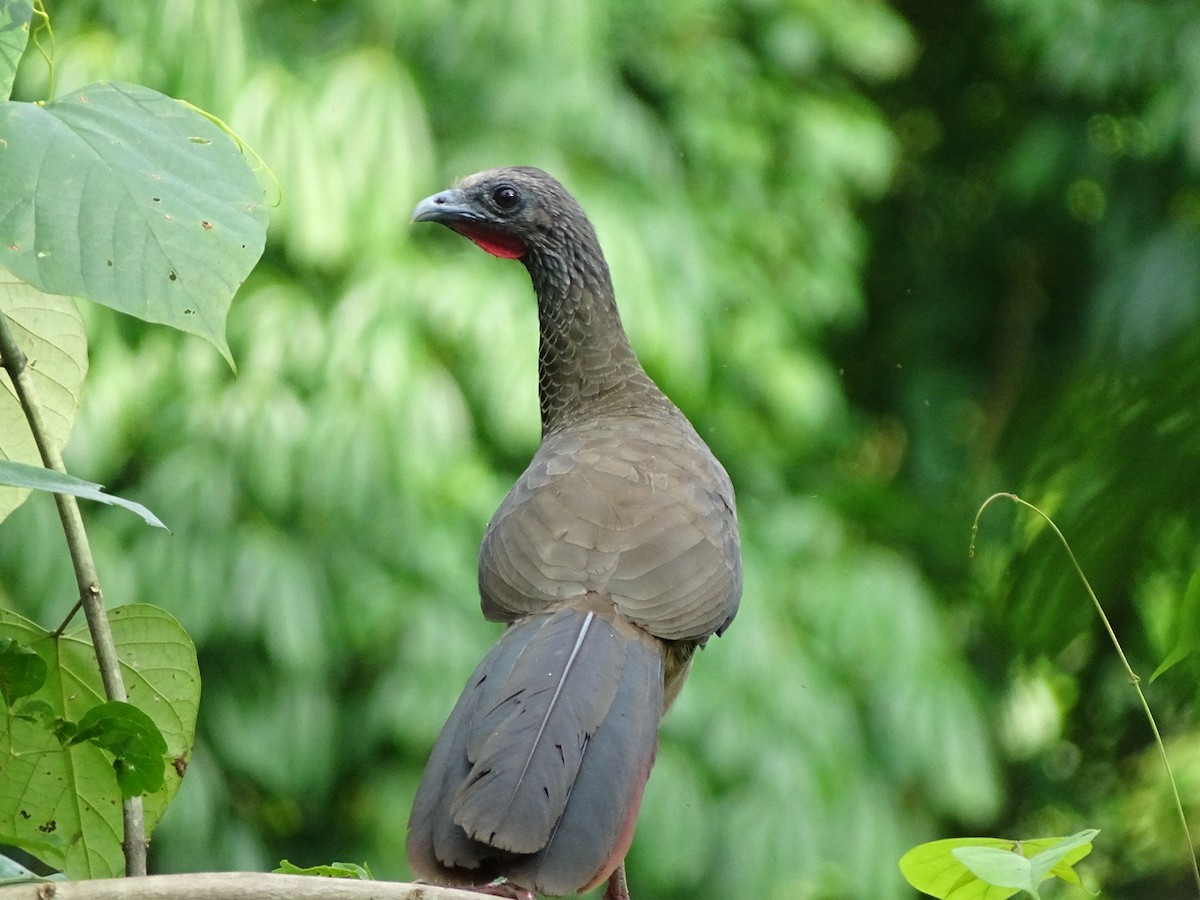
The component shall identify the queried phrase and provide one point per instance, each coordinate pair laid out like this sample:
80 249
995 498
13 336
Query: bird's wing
631 509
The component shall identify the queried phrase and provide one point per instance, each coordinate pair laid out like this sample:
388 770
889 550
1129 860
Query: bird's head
508 212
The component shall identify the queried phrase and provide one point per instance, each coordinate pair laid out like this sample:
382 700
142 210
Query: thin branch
16 364
232 886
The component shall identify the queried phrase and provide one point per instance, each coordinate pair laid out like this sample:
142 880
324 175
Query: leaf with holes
63 803
50 333
121 195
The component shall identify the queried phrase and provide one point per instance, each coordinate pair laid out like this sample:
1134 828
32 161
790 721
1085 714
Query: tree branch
14 361
232 886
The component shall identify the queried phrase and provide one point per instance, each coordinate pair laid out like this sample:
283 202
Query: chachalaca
613 557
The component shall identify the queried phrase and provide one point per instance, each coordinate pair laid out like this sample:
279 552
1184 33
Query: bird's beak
452 209
445 207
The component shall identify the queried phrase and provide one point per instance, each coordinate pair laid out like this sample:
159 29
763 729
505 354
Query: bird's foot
618 887
503 889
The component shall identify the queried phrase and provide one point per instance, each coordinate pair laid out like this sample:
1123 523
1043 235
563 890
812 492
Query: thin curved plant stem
39 11
1134 679
259 164
14 361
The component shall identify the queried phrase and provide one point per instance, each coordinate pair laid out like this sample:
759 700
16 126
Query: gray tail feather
538 771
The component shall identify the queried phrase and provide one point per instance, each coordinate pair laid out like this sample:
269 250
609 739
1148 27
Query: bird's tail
539 770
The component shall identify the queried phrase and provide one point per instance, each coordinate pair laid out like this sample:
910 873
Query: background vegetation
889 258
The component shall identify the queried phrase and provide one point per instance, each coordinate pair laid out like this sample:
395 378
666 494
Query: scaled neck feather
586 365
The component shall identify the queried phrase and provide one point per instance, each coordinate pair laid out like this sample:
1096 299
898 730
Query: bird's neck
586 365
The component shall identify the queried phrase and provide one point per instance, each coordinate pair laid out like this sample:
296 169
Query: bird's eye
506 197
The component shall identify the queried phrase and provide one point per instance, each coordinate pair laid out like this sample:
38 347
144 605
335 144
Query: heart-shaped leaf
121 195
63 803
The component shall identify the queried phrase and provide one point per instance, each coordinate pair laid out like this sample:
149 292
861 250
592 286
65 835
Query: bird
613 558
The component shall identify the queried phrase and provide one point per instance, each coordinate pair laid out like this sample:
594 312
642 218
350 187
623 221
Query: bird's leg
498 888
618 887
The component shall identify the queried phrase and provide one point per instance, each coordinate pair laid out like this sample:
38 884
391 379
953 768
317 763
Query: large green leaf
64 804
14 35
119 194
50 332
43 479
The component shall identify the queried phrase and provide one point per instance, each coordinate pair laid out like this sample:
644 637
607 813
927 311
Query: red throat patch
496 243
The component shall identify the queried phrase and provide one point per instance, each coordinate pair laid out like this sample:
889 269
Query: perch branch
232 886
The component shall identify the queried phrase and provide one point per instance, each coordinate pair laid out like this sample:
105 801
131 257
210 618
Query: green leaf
50 333
1187 625
12 871
1054 860
21 671
42 479
62 803
121 195
133 739
1000 868
956 869
34 711
933 869
333 870
62 729
15 16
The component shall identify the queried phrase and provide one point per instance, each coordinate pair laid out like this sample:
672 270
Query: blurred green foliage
888 259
